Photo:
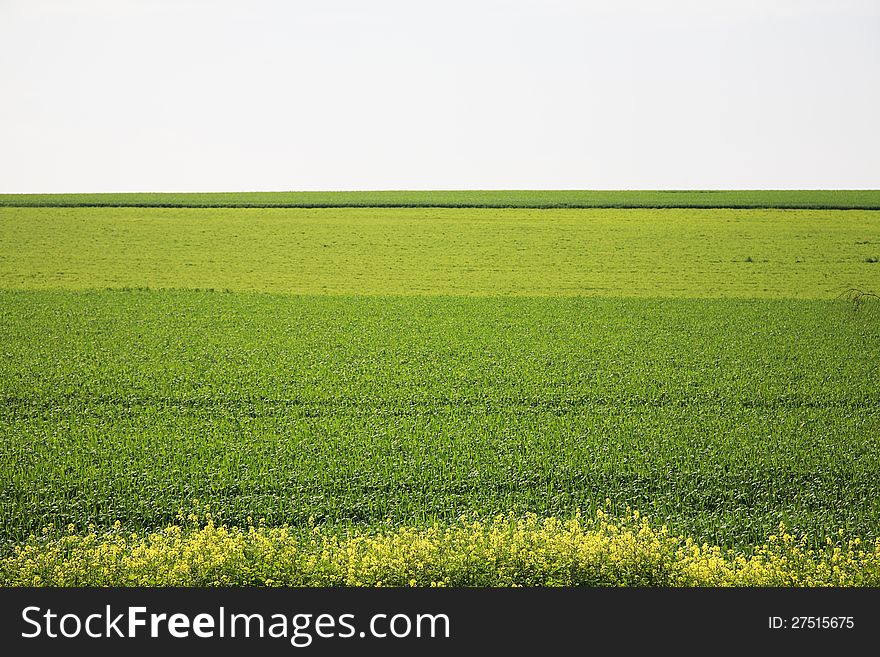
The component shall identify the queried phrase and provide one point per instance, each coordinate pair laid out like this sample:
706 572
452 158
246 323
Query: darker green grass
720 417
794 199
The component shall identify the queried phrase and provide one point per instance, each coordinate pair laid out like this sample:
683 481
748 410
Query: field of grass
376 370
805 199
720 417
401 251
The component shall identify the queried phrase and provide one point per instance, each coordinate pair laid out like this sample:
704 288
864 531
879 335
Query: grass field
382 369
721 417
804 199
632 252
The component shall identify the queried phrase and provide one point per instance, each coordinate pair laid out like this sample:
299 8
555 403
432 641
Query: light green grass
639 252
864 199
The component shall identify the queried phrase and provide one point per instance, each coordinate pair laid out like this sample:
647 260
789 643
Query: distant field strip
400 251
805 199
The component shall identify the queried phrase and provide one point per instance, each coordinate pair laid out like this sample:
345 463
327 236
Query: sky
263 95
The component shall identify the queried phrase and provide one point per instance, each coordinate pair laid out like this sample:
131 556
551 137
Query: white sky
210 95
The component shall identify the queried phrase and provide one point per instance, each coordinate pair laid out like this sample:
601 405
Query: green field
401 251
804 199
394 367
722 417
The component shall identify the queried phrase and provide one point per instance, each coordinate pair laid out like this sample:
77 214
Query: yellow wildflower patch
504 551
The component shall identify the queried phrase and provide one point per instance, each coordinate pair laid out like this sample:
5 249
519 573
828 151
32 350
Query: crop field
803 199
787 254
385 371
